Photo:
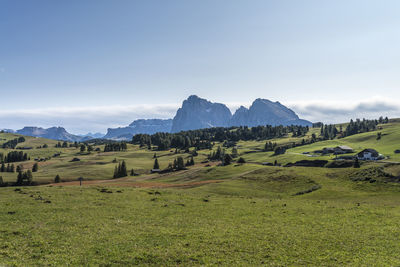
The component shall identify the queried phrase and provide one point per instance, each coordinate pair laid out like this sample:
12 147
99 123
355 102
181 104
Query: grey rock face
56 133
198 113
266 112
150 126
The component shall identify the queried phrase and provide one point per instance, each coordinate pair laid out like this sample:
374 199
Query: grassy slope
386 146
251 219
254 216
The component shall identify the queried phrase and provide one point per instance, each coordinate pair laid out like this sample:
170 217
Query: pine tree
156 166
227 159
123 171
57 179
180 165
115 172
20 178
35 167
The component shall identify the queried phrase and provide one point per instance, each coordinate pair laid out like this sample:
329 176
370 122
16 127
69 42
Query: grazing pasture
207 214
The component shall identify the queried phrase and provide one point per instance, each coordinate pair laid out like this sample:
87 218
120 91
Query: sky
88 65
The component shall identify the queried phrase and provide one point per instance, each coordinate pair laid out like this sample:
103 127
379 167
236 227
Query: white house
369 154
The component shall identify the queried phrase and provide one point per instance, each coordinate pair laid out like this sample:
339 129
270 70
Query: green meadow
236 215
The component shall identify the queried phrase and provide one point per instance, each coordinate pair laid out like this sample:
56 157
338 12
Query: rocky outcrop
266 112
142 126
198 113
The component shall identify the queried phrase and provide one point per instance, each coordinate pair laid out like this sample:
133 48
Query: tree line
204 138
13 143
13 156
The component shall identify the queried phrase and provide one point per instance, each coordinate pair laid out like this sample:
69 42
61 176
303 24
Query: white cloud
98 119
84 119
335 112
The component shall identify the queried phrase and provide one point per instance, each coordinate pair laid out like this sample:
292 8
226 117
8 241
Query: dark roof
370 150
344 147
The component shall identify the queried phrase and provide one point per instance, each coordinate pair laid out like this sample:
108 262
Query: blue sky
89 65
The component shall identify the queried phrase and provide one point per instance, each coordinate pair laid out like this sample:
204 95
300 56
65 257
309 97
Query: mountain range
195 113
198 113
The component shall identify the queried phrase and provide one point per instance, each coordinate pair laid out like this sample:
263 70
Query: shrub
241 160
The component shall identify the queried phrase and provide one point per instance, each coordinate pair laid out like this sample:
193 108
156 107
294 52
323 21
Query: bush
57 179
241 160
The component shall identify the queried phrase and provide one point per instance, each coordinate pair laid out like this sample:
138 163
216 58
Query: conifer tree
123 171
156 166
35 167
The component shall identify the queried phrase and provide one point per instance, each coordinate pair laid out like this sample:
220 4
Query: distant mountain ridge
56 133
143 126
195 113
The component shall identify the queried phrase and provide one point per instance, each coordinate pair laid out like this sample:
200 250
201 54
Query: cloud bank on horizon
97 119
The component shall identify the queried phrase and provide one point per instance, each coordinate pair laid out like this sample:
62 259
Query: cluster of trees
354 127
13 143
269 146
24 178
177 165
204 138
122 146
361 126
63 145
329 132
120 170
8 168
13 156
220 154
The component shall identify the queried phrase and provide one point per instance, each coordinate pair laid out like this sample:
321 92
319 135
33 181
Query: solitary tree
227 159
57 179
123 171
156 166
241 160
35 167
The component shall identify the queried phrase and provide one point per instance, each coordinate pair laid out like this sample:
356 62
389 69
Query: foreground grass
343 223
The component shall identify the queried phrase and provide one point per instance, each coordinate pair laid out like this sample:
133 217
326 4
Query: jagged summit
263 112
197 113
